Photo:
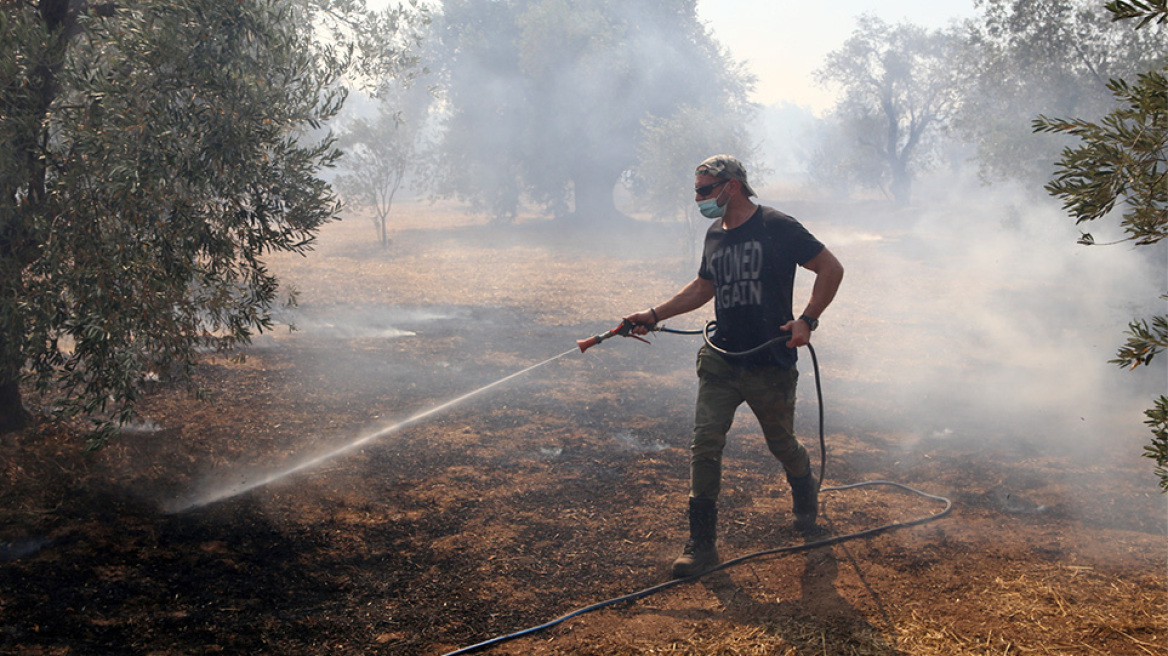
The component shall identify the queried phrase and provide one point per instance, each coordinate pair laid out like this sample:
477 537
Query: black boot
700 553
805 495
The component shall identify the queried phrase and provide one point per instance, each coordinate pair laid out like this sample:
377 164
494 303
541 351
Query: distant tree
668 154
1051 57
839 161
383 151
900 87
1124 156
474 57
549 99
151 154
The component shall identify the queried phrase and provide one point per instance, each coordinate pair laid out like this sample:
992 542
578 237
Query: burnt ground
558 489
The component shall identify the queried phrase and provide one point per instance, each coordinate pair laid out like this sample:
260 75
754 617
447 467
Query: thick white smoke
977 315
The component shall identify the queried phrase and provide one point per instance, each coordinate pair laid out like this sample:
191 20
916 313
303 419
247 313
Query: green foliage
1121 157
1157 421
899 92
1144 342
550 99
1156 10
153 154
1125 155
372 46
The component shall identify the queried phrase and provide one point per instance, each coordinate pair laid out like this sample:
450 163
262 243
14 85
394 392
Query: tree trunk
13 416
16 248
901 186
594 199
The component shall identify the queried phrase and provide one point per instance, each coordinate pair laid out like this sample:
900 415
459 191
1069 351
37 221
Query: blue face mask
711 209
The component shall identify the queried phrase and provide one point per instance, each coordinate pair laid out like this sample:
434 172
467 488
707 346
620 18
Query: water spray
245 484
242 484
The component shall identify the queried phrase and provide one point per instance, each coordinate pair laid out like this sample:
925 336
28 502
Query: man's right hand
691 297
642 322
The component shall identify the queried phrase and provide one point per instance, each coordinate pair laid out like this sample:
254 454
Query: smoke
977 317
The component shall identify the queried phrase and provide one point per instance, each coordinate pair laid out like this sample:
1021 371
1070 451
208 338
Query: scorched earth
566 486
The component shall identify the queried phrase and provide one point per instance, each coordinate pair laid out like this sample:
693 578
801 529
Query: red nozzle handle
586 344
624 329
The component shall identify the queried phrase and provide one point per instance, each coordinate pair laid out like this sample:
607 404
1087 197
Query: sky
784 42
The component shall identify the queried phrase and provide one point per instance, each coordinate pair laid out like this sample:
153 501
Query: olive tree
900 87
551 99
1123 158
151 154
383 150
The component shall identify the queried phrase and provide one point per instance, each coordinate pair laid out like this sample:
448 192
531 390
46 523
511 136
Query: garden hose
625 330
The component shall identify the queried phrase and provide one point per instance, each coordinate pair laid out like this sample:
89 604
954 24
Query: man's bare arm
691 297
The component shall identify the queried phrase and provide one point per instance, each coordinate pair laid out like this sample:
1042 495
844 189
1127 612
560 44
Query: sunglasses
705 190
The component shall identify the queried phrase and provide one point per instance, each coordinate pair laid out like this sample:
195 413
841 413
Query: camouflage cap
728 168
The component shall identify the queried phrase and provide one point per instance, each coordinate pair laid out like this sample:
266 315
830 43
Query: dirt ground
560 488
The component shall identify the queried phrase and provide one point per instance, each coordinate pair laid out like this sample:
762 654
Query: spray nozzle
625 329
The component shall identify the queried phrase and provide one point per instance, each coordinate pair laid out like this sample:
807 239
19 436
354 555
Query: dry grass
464 530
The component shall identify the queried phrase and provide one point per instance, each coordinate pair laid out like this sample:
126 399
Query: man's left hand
800 333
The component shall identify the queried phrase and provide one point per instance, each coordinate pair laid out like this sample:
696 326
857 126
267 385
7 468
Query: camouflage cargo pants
722 387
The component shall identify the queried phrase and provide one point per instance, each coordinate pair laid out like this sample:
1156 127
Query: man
748 267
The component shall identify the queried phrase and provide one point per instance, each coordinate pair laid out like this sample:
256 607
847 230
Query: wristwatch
811 322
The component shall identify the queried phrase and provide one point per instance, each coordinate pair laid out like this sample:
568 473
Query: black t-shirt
753 271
